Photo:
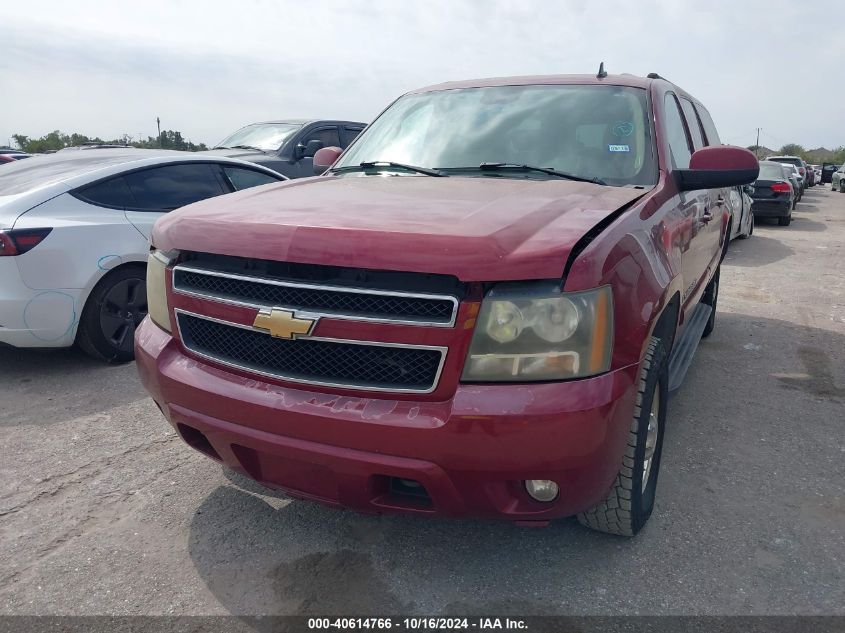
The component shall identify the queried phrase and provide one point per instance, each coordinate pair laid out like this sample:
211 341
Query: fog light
544 490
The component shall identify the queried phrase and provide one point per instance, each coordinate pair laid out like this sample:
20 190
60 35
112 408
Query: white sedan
74 230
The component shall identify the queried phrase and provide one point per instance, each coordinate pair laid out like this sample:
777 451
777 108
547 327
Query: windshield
588 131
267 137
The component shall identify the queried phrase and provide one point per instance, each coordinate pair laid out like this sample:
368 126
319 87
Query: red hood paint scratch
478 229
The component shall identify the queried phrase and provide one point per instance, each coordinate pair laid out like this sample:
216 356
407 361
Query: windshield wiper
542 170
383 164
257 149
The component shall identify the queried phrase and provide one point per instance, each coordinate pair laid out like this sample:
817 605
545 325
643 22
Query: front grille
338 301
312 360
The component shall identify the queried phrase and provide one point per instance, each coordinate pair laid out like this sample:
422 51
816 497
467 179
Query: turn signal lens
157 307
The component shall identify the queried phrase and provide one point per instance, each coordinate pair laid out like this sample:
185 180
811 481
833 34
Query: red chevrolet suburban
479 308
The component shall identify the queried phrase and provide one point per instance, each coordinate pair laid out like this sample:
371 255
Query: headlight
157 307
531 332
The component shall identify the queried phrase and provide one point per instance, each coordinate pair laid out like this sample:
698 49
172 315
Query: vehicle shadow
78 385
801 223
262 553
759 250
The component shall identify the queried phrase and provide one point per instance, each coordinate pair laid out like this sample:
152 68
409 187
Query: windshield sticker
623 128
618 148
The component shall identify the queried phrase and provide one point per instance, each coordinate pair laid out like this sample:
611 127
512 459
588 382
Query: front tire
116 306
631 500
711 298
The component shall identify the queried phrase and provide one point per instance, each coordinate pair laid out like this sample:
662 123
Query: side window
328 135
173 186
709 128
245 178
113 192
693 123
676 134
350 133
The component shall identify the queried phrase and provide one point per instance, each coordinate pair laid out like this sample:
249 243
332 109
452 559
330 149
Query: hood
477 229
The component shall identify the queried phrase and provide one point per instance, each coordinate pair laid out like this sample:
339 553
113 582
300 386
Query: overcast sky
104 68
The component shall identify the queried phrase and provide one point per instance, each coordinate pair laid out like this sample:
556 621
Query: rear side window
676 134
246 178
709 128
173 186
113 192
693 123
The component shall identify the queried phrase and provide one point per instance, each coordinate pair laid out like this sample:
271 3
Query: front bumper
471 453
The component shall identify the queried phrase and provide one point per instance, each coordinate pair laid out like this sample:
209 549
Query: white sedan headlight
530 332
157 307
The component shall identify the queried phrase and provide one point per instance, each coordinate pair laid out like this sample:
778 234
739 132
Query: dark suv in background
799 163
828 170
288 146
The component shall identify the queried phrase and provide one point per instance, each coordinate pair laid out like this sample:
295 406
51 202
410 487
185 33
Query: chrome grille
337 301
314 360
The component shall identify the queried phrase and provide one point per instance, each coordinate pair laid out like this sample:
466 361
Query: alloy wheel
651 436
122 310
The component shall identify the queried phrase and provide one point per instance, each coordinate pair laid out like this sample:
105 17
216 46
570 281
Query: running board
684 348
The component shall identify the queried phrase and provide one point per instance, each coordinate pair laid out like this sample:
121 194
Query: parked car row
89 211
776 191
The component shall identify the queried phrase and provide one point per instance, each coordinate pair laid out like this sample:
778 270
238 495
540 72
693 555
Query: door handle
720 201
706 216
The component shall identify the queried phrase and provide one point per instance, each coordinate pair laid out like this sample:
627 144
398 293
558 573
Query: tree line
814 157
56 140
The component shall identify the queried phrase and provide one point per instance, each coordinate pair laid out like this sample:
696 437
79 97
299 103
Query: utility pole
158 125
757 146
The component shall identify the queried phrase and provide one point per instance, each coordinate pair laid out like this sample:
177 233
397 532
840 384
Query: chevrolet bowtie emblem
283 323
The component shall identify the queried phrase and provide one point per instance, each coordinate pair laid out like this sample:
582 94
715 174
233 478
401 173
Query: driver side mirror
309 149
718 166
749 189
325 158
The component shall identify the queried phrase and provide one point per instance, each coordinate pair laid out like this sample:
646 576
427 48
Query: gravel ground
104 511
